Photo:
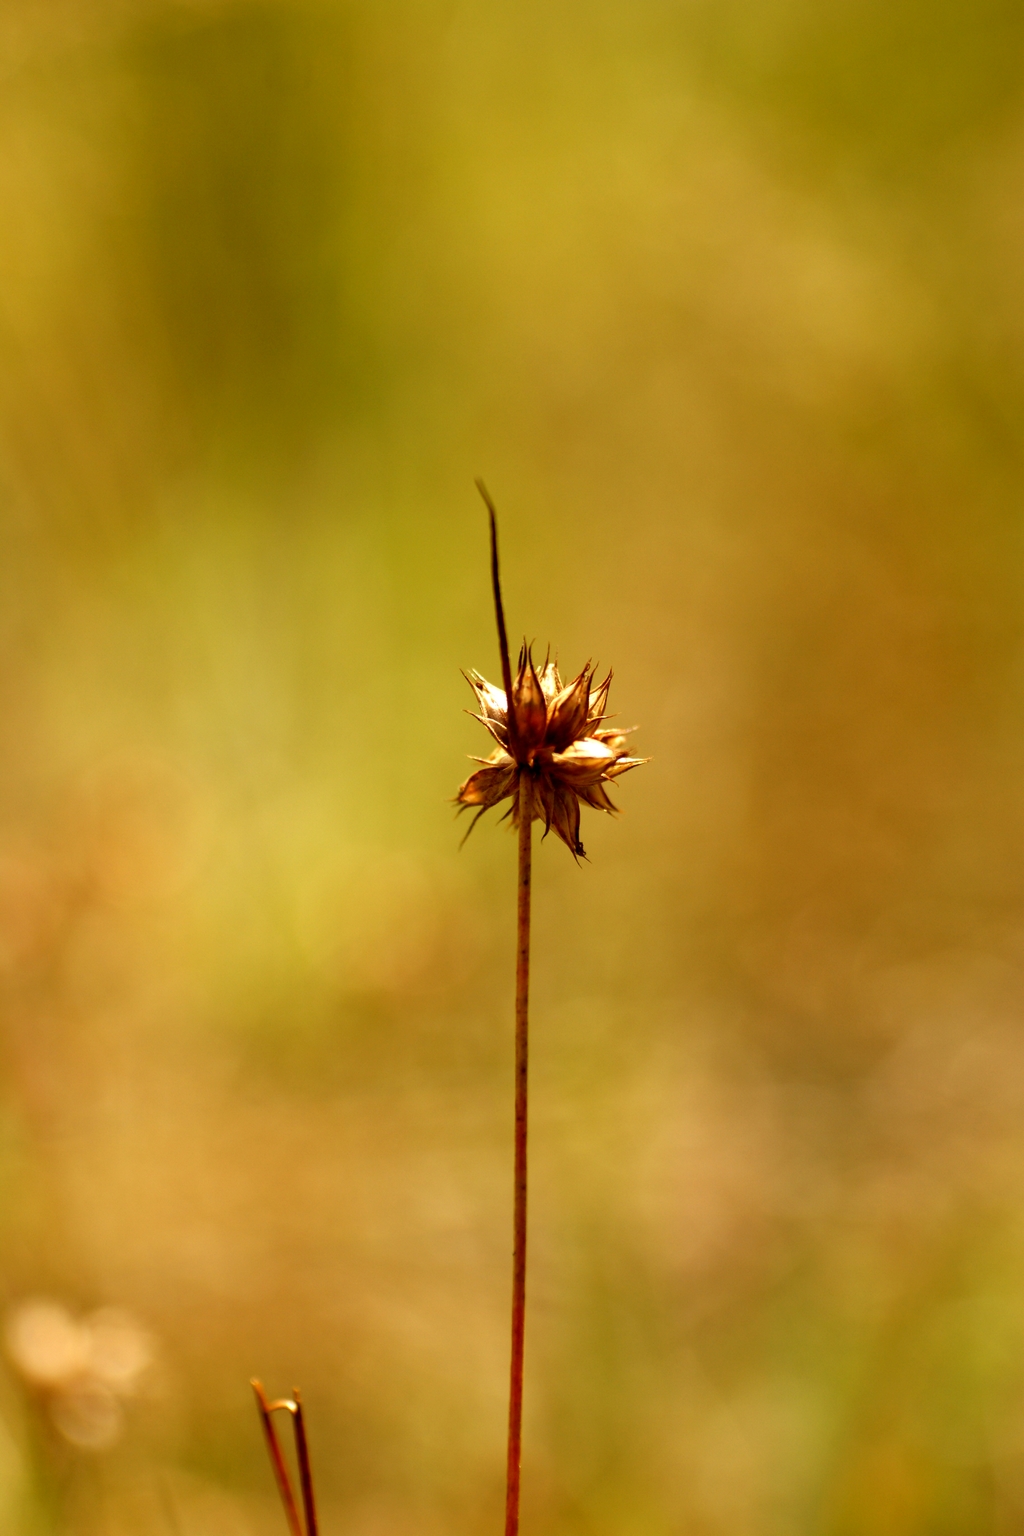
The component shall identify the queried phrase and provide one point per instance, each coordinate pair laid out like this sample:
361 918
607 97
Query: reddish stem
305 1471
515 1406
277 1461
292 1406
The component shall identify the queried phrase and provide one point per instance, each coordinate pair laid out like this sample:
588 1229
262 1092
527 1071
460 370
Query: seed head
553 732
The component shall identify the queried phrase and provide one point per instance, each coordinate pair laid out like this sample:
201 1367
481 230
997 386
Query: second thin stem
515 1404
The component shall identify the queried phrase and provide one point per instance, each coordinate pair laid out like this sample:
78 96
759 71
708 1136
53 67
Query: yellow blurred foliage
725 302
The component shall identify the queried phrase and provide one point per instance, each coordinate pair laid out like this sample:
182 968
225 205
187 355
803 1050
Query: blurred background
725 303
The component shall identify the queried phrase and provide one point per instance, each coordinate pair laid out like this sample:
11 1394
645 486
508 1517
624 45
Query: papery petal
491 783
567 714
566 818
550 682
530 705
492 701
595 796
543 802
623 765
599 701
582 763
497 728
616 739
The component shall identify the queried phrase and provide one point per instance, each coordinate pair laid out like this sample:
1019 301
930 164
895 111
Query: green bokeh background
725 302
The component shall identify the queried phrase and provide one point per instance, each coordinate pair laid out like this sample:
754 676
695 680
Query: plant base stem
515 1405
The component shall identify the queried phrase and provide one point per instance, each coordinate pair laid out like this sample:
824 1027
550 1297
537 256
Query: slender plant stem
305 1471
515 1405
293 1406
277 1461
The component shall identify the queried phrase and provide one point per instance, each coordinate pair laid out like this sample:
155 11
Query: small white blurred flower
120 1350
84 1368
45 1343
88 1414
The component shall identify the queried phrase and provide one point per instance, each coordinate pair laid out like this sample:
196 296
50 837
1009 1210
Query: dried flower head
554 733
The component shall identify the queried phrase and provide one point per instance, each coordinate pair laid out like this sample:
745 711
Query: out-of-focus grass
725 302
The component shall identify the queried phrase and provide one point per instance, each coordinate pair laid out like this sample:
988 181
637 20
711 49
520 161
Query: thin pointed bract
499 609
292 1406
